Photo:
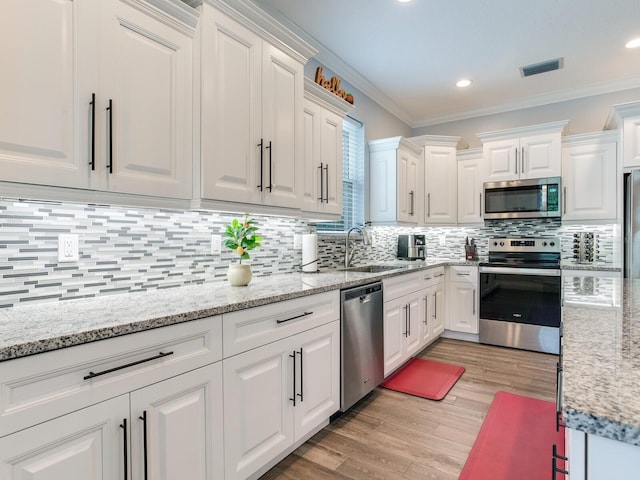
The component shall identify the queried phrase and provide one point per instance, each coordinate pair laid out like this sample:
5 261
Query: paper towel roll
310 252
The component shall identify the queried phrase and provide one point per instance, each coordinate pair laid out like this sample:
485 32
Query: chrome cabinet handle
104 372
564 200
406 328
435 306
426 310
522 161
556 456
409 321
428 204
480 205
516 160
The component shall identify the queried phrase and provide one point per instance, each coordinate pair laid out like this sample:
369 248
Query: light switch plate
68 248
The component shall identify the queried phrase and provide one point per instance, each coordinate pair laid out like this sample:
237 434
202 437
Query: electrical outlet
297 241
68 248
216 245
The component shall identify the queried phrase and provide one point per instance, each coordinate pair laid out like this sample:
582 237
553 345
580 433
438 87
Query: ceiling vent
536 68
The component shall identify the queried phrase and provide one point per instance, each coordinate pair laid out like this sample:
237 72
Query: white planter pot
239 275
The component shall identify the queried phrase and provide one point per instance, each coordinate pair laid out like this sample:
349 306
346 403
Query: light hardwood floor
391 435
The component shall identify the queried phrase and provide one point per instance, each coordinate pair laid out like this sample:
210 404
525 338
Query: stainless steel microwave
539 197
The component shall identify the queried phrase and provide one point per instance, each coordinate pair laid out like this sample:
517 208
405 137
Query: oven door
520 307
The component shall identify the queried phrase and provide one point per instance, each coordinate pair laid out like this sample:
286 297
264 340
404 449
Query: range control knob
495 244
502 244
544 244
552 244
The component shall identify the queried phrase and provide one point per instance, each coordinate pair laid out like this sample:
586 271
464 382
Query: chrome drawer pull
104 372
293 318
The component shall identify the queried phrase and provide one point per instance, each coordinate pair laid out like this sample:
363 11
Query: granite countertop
27 330
593 266
601 357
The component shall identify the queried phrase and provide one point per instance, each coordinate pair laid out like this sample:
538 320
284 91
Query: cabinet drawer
399 285
254 327
460 273
432 276
43 386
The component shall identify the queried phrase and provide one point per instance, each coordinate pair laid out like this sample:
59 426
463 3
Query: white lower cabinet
180 438
277 394
462 290
413 314
597 458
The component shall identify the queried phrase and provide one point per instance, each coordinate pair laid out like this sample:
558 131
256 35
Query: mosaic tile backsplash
126 250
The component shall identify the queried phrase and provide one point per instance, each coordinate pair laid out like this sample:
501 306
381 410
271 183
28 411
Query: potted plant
241 237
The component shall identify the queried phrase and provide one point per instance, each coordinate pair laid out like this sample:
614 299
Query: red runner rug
424 378
515 441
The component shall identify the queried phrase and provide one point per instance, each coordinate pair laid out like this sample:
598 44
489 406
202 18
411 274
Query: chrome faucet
366 241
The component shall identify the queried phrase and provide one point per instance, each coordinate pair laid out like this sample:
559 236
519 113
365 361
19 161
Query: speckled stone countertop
26 330
601 357
593 266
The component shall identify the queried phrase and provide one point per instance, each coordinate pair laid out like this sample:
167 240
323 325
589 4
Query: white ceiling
407 57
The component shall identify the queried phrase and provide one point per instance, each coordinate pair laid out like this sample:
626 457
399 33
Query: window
352 179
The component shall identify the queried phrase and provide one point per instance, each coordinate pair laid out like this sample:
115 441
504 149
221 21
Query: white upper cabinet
626 117
323 117
470 186
115 111
440 178
394 167
251 103
523 153
589 177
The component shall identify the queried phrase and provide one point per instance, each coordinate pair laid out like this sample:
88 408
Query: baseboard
467 337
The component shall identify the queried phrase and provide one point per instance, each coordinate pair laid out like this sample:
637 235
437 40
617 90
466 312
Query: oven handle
552 272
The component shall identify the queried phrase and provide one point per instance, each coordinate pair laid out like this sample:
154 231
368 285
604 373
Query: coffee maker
412 247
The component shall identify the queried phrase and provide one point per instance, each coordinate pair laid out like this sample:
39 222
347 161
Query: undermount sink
374 268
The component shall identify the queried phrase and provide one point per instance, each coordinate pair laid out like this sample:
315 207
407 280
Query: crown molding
607 136
551 127
174 13
338 66
325 98
384 144
619 112
535 101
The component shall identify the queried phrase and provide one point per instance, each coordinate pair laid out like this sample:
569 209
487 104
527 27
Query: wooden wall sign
333 85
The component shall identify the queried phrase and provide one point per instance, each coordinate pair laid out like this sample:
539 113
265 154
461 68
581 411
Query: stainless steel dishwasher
361 343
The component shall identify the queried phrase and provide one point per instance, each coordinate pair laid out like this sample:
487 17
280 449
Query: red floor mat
515 441
424 378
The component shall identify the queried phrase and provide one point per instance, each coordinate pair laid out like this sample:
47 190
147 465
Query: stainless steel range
520 294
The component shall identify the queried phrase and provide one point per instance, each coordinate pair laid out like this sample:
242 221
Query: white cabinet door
318 380
589 182
440 184
183 421
407 186
413 314
322 160
437 327
630 141
258 403
331 148
540 156
282 95
470 190
43 113
231 110
394 331
500 160
463 313
88 444
145 69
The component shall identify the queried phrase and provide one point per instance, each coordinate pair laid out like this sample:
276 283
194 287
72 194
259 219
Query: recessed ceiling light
465 82
404 1
635 43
